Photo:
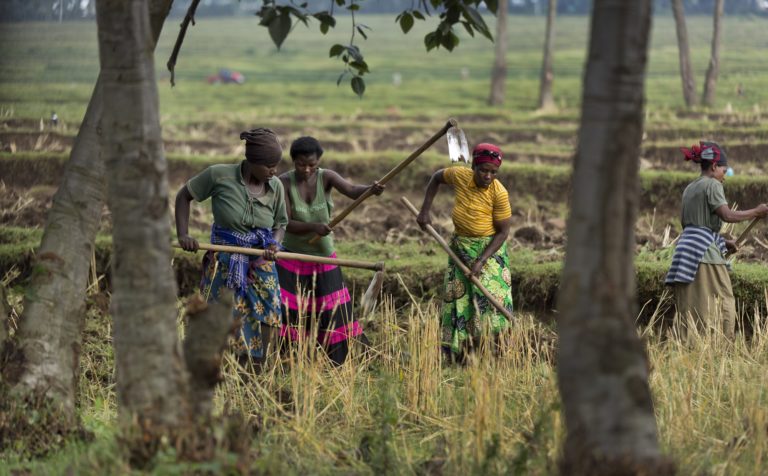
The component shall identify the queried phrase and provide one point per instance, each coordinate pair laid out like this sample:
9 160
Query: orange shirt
475 208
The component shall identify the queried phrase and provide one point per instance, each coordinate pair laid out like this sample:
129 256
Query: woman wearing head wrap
315 293
699 271
481 218
248 204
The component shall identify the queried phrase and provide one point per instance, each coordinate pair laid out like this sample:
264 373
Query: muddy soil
538 221
540 229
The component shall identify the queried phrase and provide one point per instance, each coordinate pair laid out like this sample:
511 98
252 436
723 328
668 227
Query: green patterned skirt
467 313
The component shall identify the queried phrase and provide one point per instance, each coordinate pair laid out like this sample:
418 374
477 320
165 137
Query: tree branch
189 17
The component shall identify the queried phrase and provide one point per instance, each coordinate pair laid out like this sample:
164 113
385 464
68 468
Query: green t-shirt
700 200
233 207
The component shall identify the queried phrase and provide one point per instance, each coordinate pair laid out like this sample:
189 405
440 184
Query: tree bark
546 100
150 374
5 311
46 348
710 80
684 53
602 366
499 72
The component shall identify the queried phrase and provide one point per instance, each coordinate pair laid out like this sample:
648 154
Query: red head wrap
709 151
486 153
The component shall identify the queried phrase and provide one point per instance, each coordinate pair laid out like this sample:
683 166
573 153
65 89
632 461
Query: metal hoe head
458 149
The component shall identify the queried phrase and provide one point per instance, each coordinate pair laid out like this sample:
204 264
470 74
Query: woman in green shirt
699 272
248 203
315 294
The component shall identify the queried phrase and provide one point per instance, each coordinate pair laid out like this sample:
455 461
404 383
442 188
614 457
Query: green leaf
336 50
418 15
493 6
358 86
468 27
354 7
474 18
431 40
449 41
279 28
267 15
406 22
341 76
362 33
360 66
354 52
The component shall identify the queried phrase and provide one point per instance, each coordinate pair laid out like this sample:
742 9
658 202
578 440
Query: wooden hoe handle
298 257
743 236
451 123
464 269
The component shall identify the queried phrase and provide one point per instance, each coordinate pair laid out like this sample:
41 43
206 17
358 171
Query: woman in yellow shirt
481 218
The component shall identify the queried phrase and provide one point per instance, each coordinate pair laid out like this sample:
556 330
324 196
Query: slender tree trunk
44 354
710 81
602 366
150 374
5 311
499 72
684 52
546 101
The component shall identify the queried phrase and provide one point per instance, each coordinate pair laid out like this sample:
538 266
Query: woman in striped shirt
481 218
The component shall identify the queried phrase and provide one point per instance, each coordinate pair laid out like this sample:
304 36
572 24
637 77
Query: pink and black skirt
315 295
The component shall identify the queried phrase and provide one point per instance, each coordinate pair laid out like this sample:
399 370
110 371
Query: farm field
402 410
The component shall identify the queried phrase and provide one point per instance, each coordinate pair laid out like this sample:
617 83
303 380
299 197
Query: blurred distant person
54 119
699 271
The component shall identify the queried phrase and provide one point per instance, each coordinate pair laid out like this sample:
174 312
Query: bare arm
733 216
183 198
349 189
502 231
434 183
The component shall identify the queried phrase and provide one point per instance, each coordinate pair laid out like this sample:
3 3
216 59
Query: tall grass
398 408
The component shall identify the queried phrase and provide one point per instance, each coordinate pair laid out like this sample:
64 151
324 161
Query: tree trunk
46 348
602 367
546 101
710 81
684 52
5 311
499 72
150 374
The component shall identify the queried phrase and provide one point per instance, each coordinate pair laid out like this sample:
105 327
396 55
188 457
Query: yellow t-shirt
476 208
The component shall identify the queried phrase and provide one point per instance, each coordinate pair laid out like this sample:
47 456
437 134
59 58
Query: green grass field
402 411
51 66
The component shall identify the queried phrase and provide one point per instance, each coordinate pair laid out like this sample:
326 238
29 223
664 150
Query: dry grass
398 408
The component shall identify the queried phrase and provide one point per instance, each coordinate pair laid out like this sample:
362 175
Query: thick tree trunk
150 374
684 52
499 72
602 367
710 81
44 355
546 101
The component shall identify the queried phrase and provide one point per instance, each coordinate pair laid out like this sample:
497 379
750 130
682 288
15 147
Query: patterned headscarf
709 151
262 146
486 153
